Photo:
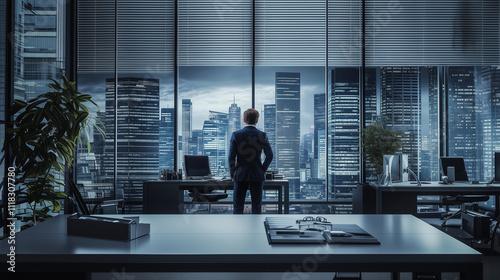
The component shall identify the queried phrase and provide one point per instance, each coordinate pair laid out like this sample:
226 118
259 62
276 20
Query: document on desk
349 234
285 230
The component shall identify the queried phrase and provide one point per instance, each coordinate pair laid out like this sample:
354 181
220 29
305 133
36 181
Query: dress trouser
240 193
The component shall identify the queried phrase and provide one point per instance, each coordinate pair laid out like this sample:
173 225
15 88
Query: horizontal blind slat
344 33
96 36
422 33
146 36
215 33
290 33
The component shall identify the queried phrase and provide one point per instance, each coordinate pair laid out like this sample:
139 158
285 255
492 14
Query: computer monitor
398 167
197 167
392 167
459 164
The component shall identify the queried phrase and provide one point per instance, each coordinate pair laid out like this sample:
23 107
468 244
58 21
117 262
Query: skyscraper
401 105
319 124
234 118
495 111
287 96
167 138
322 154
43 53
137 136
187 122
270 129
372 77
196 142
306 155
344 156
371 108
215 142
464 119
429 131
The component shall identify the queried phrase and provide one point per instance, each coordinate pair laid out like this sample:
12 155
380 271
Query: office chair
206 195
110 206
103 207
460 174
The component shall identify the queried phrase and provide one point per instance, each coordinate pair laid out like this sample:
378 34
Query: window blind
290 33
96 36
344 33
427 32
146 35
215 33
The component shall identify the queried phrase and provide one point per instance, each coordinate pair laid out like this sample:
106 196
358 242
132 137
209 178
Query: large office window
472 112
214 55
126 61
430 71
211 102
215 79
293 101
430 53
409 46
290 43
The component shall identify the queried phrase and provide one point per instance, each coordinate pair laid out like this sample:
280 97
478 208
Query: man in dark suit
247 170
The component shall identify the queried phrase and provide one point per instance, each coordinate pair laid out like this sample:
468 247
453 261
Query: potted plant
378 141
43 137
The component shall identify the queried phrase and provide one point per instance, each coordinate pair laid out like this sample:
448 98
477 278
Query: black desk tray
122 229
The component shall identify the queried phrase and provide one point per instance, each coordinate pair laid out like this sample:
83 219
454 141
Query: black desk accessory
349 234
286 230
124 229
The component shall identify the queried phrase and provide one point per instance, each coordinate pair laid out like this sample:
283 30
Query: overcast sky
213 88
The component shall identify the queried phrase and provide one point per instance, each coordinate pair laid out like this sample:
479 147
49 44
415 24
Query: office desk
238 243
167 196
401 198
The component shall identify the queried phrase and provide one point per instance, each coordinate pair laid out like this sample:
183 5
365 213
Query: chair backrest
458 163
197 167
74 192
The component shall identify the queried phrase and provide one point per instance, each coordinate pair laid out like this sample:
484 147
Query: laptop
197 167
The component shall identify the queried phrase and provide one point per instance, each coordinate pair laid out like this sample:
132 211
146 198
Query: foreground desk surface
229 243
401 198
167 196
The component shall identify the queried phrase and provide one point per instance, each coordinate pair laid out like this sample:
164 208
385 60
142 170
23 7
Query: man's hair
250 116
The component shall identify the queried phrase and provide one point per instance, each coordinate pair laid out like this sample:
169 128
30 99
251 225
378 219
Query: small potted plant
379 140
42 139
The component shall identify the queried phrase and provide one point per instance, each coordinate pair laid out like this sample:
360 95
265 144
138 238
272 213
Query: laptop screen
459 164
197 167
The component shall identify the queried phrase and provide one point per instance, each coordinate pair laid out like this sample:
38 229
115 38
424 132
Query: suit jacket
245 152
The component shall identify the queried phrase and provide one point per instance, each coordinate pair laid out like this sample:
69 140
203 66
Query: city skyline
219 86
392 93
